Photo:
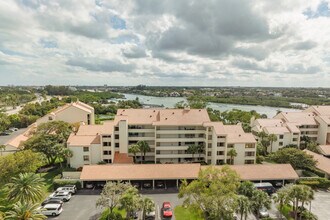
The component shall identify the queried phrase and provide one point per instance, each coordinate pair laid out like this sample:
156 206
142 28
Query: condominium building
72 113
168 132
291 127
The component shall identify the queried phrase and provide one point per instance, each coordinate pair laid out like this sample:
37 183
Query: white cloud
187 42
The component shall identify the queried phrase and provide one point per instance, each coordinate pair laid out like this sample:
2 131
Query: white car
51 209
64 195
70 189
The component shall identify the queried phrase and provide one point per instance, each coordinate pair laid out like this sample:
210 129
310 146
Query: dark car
136 185
52 201
4 133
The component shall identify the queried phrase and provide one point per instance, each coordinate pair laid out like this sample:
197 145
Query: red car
167 210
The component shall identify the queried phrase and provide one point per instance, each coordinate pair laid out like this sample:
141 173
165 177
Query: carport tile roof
139 172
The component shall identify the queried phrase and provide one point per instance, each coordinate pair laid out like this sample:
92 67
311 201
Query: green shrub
309 173
316 182
62 182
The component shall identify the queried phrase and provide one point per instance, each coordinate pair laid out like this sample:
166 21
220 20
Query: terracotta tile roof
320 109
237 129
164 116
240 138
276 130
82 140
139 171
323 163
105 128
255 172
301 118
269 122
325 118
122 158
325 149
292 127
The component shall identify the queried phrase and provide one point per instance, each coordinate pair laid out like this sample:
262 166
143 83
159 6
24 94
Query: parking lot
82 205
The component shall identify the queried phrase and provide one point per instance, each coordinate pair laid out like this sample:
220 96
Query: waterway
169 102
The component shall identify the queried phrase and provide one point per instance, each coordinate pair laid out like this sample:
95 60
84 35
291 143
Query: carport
141 175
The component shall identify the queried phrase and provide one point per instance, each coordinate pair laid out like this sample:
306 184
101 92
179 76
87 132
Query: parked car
64 195
69 188
52 201
51 209
13 129
160 184
5 133
147 185
134 215
166 210
89 185
151 215
263 213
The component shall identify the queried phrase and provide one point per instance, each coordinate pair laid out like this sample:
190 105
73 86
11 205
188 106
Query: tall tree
246 188
244 206
144 148
281 198
147 206
111 194
25 211
200 150
260 199
192 149
296 157
27 187
24 161
134 149
49 139
213 192
232 153
130 201
272 138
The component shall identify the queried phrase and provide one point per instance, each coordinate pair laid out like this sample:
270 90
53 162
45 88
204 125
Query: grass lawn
116 210
182 213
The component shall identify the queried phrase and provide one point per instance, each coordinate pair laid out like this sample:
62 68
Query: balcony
178 155
172 147
141 130
140 138
180 131
180 139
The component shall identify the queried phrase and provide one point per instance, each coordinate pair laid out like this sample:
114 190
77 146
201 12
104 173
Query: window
209 153
280 143
294 139
86 158
249 154
221 136
249 145
210 145
106 144
117 145
249 161
210 137
220 153
116 128
295 133
86 149
107 160
117 136
88 119
220 162
106 136
107 152
281 136
230 145
220 144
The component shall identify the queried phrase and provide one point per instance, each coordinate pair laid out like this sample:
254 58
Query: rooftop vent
200 110
172 113
154 110
165 118
150 116
239 135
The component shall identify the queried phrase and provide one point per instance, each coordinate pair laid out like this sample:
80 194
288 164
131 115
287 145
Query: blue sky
190 42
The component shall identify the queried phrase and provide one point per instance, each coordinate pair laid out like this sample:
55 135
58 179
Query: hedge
317 182
62 182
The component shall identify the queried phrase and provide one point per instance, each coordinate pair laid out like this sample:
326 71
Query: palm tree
281 197
25 211
232 153
192 149
244 206
200 150
144 148
260 199
147 206
27 187
134 149
262 135
2 148
272 138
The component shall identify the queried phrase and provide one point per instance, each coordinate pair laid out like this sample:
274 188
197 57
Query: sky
167 43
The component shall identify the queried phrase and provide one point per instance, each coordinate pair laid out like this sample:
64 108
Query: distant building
72 113
290 127
169 133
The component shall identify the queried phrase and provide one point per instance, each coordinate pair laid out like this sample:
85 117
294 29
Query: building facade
292 128
168 132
